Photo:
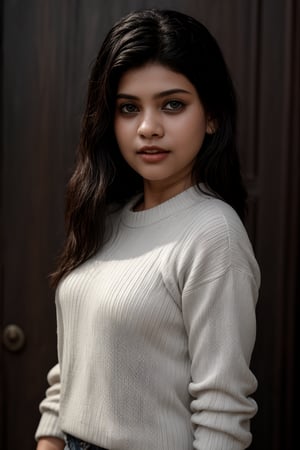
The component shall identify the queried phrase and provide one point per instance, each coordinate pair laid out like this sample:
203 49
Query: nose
150 126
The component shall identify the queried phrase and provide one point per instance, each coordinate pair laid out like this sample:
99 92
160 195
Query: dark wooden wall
46 51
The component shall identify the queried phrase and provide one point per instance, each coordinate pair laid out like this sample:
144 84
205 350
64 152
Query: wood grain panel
278 224
290 222
40 112
1 235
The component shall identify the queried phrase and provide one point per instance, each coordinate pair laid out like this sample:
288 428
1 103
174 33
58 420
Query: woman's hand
50 443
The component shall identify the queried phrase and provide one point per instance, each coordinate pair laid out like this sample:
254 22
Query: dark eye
128 108
174 105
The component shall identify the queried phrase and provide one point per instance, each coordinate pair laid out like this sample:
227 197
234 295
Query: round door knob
13 338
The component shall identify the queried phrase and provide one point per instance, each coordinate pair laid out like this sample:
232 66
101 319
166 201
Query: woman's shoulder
215 237
211 216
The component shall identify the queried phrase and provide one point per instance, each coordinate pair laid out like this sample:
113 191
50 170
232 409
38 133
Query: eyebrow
156 96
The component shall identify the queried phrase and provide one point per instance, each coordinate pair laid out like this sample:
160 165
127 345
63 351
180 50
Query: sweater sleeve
219 316
49 407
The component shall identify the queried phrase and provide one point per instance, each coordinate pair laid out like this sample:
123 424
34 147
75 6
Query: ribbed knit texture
156 331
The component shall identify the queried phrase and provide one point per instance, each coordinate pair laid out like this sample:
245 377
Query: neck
155 193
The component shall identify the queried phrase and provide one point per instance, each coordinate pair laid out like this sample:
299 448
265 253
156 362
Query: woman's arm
50 443
220 321
49 426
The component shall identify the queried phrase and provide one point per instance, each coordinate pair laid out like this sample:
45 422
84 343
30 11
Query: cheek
198 126
123 132
191 131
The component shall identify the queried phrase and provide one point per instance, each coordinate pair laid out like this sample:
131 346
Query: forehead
153 78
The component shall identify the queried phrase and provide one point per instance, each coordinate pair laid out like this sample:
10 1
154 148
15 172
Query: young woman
157 282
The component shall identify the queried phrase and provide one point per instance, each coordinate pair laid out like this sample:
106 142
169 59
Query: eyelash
126 105
179 106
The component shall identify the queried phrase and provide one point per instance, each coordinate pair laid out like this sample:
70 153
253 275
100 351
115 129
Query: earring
210 129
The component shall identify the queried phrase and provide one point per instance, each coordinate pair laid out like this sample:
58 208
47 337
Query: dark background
47 47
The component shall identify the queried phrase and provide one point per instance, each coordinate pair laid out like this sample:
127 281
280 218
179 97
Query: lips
151 150
152 154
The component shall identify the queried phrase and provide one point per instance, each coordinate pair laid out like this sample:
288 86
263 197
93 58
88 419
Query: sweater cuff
49 426
206 439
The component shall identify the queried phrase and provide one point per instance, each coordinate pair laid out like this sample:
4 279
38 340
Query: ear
210 126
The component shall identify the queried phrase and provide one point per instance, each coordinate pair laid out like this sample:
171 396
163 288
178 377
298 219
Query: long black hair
101 176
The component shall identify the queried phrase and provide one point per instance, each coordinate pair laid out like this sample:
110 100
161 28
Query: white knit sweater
156 331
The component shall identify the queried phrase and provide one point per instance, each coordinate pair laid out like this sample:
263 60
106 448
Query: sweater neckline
135 219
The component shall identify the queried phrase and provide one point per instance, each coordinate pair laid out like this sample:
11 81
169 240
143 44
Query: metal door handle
13 338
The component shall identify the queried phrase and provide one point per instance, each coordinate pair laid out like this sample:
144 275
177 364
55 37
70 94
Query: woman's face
160 124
